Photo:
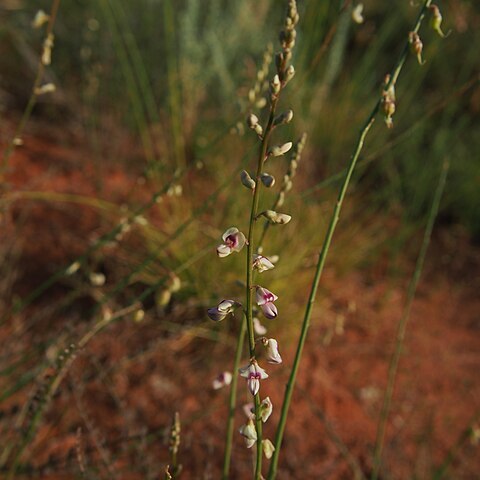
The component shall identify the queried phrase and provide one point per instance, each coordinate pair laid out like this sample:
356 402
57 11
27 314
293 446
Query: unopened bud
416 46
276 218
261 102
275 85
72 268
139 315
283 118
163 298
357 16
268 448
247 180
278 150
268 180
97 279
252 120
46 88
289 73
281 199
47 49
40 19
436 21
175 283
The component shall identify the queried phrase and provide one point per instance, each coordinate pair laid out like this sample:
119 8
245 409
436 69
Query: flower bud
275 85
47 49
416 46
268 180
281 199
249 432
258 327
271 347
357 16
247 180
73 268
289 74
277 218
283 118
268 448
261 263
278 150
163 298
266 408
139 315
252 120
46 88
436 21
40 19
97 279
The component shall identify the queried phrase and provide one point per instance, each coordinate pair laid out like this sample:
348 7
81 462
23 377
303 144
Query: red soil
124 387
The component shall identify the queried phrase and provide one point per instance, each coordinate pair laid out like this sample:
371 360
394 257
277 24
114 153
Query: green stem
249 288
233 399
324 251
402 326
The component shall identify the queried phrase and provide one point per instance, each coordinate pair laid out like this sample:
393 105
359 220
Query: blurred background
127 176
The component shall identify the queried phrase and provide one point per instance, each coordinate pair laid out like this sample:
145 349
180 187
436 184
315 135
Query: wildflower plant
233 240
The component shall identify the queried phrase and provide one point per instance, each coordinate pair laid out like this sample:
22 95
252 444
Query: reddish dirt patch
124 387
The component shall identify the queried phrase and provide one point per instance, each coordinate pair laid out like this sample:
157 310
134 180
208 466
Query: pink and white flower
233 241
261 263
253 373
265 299
222 380
224 308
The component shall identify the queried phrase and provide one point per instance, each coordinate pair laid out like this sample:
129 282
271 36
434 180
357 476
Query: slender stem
233 399
402 325
249 288
33 96
324 251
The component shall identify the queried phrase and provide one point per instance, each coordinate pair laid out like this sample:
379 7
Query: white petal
223 250
230 231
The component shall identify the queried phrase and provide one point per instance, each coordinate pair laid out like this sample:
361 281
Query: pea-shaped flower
222 380
253 373
261 263
265 299
233 241
224 308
